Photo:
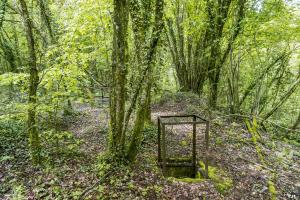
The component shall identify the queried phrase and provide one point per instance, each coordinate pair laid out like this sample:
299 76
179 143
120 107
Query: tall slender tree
34 140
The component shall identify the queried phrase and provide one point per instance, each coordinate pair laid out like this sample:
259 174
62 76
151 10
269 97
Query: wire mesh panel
179 141
178 136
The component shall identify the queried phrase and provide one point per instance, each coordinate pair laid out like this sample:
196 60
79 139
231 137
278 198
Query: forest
150 99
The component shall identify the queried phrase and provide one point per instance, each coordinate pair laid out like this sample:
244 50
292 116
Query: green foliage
255 138
104 163
13 141
112 167
149 133
17 79
183 143
73 68
18 192
190 180
221 180
272 190
218 141
60 143
197 179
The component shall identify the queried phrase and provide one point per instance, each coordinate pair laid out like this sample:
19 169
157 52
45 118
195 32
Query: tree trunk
2 11
233 84
119 71
148 102
261 76
144 105
45 16
296 124
137 137
34 140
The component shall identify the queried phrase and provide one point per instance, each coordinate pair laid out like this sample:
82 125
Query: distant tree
199 50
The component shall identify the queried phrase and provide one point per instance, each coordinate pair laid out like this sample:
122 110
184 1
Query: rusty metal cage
166 162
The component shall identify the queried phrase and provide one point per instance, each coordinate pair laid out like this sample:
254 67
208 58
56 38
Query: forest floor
69 174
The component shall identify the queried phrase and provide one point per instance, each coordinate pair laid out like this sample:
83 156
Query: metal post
102 98
206 148
164 148
158 140
194 145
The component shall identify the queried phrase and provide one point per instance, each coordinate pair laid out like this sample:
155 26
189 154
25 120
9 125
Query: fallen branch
89 189
259 119
96 81
267 168
254 163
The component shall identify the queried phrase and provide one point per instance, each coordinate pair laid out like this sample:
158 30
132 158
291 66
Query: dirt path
91 127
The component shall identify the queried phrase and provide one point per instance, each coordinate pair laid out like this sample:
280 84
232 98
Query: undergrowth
252 128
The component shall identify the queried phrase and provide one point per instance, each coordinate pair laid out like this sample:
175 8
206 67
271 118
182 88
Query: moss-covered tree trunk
45 18
33 85
296 123
148 101
119 71
144 111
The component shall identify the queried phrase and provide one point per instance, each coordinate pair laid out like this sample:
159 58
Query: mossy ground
272 190
221 180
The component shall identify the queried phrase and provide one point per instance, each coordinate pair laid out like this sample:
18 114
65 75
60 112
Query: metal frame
102 95
163 161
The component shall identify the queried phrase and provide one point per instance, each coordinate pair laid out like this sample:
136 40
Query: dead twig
259 119
89 189
269 169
